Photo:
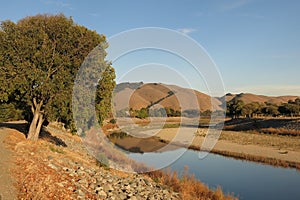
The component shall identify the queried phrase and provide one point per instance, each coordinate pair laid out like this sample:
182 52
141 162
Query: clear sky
254 43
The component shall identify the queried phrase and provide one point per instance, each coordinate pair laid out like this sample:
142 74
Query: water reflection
248 180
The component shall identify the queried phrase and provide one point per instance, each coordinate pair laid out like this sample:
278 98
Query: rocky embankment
102 184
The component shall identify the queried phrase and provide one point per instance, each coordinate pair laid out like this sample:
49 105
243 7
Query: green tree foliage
251 109
297 101
39 59
290 109
206 113
8 111
234 108
172 113
270 110
104 93
161 112
141 114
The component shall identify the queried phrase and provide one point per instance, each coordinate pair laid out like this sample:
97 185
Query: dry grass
260 139
109 126
280 131
34 178
171 125
277 126
188 186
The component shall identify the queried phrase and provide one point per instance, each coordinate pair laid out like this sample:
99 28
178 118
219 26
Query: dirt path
7 190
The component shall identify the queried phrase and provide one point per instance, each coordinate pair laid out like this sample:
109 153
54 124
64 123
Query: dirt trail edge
7 189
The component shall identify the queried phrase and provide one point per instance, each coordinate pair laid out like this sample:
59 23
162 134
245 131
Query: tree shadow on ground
246 124
19 126
45 135
23 127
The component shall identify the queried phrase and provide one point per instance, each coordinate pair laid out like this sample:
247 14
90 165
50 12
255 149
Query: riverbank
269 149
58 166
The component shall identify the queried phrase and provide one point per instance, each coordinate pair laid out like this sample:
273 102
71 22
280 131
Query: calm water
247 180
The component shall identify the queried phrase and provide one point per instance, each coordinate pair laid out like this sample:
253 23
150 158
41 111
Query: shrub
113 121
187 185
102 160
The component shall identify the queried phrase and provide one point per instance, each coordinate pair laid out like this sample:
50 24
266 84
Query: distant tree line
160 112
166 112
237 108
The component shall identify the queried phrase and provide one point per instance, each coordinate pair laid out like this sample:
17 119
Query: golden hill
156 95
248 98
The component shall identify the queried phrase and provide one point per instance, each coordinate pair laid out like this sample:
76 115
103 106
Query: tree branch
32 109
34 102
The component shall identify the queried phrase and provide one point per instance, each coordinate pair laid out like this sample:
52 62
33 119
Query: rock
66 169
99 188
53 166
80 193
165 192
108 188
102 194
81 173
109 180
83 182
92 186
70 188
151 198
60 184
121 196
133 198
127 186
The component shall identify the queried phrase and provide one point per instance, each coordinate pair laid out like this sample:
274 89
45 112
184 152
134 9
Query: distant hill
155 95
139 95
248 98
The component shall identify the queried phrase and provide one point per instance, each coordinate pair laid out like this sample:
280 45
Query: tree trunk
37 121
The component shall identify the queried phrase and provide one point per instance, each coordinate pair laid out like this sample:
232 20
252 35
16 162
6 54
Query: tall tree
234 108
39 59
251 108
271 109
104 93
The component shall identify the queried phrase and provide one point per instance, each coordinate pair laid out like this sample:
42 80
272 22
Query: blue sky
254 43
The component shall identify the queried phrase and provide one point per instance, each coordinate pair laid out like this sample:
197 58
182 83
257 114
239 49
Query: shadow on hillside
23 127
19 126
245 124
45 135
